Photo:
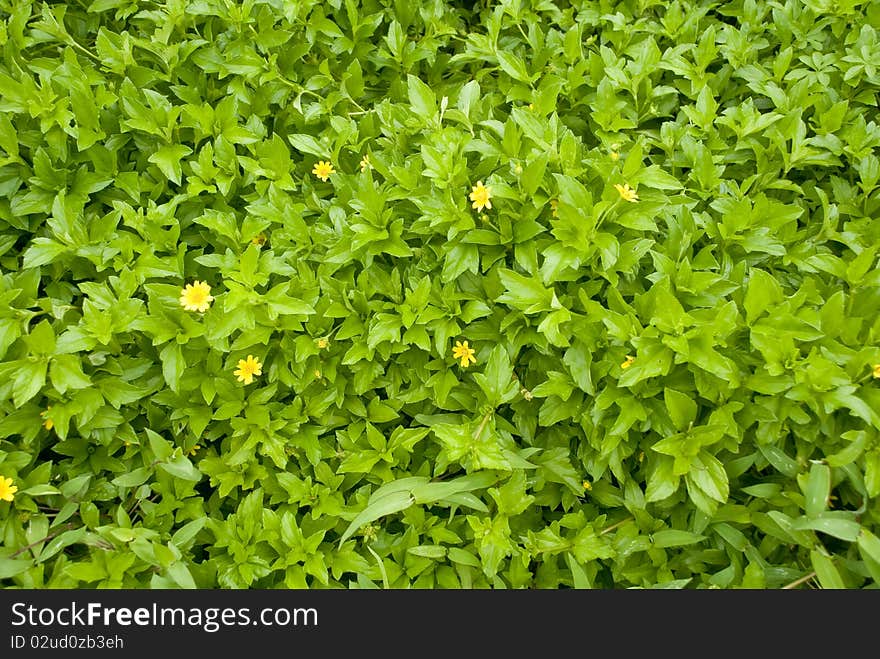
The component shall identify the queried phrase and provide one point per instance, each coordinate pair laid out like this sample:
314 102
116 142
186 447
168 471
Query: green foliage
672 390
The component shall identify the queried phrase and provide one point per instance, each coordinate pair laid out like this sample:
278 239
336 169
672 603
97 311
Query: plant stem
66 527
798 582
616 525
482 425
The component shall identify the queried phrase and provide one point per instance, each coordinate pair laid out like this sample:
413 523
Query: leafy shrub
369 293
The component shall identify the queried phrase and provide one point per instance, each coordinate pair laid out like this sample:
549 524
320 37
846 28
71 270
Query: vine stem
75 44
798 582
616 525
482 425
66 527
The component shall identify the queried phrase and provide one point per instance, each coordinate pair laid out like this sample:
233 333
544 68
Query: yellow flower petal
48 424
247 369
196 296
7 489
626 193
480 195
465 353
323 170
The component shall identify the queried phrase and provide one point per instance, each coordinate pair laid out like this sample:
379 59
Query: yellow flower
194 449
628 361
465 353
554 207
626 192
317 374
518 168
365 163
480 195
196 296
7 489
587 485
48 424
323 170
876 371
323 342
248 368
259 239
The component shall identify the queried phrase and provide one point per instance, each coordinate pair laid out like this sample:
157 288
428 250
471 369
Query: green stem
482 425
83 50
615 526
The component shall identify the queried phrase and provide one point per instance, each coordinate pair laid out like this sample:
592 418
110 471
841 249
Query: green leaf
851 452
386 505
181 467
168 158
870 544
524 293
513 66
654 361
497 379
468 97
763 292
10 567
309 144
839 528
575 200
421 97
28 379
682 408
41 491
133 478
818 490
220 223
181 576
872 472
532 177
708 474
186 534
428 551
41 340
579 577
675 538
173 364
662 481
66 373
826 571
42 251
654 177
579 360
160 446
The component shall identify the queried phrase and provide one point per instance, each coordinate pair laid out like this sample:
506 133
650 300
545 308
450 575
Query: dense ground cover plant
370 293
